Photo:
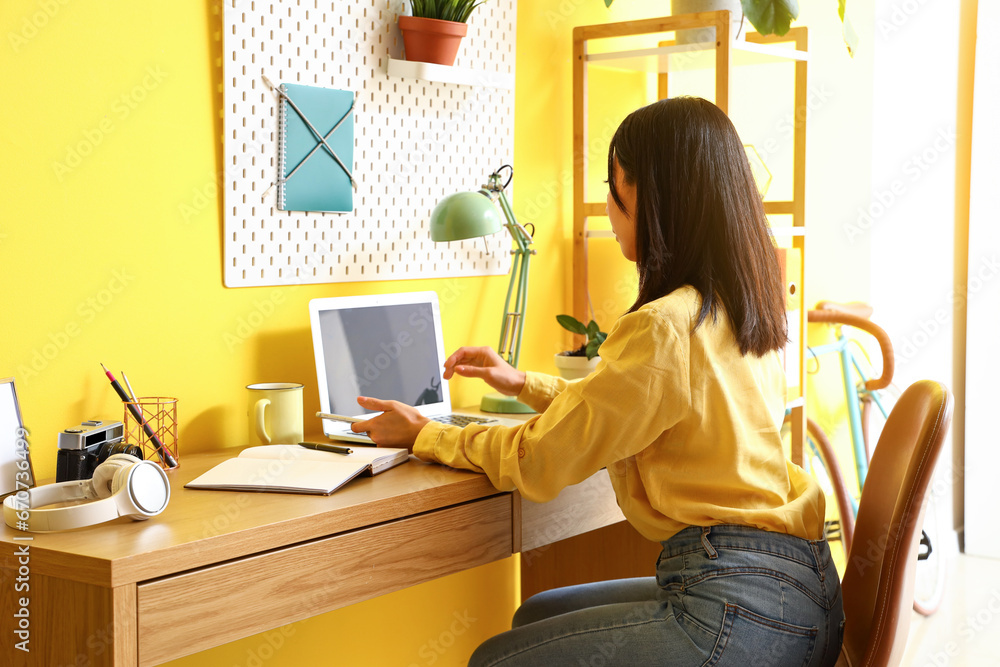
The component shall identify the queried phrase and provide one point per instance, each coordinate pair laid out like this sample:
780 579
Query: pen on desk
339 418
322 447
161 451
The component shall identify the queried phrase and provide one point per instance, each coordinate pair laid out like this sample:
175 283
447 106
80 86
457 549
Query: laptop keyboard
463 420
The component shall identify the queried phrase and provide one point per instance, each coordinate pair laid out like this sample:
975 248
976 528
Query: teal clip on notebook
315 149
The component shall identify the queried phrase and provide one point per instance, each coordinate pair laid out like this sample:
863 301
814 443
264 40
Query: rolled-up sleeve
640 388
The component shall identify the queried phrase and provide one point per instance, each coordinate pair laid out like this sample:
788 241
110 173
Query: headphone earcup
120 479
103 481
143 489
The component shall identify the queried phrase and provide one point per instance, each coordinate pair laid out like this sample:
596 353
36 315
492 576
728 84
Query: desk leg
72 623
613 552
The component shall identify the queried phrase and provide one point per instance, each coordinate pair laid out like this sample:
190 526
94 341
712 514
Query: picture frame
16 472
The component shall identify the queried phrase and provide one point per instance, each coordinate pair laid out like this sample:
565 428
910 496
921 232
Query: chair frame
879 578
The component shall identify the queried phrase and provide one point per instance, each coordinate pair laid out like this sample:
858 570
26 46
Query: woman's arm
640 389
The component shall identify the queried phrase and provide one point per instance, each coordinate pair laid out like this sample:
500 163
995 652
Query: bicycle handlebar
833 316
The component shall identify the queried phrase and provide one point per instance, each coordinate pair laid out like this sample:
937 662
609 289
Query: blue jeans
722 595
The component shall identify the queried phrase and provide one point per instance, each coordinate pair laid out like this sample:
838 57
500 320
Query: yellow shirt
687 427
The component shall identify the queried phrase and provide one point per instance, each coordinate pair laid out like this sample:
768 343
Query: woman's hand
485 363
397 426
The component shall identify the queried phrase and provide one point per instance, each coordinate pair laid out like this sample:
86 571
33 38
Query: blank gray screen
387 352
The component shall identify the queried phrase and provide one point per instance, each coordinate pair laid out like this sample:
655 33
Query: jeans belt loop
709 549
815 548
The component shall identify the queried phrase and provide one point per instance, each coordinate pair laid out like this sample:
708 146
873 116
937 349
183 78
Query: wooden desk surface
222 555
202 527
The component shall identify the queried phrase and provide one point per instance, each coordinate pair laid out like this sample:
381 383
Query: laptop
388 346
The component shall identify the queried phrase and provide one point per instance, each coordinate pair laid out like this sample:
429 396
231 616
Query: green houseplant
774 17
444 10
573 364
435 30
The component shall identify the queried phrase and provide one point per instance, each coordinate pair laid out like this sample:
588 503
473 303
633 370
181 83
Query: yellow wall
110 252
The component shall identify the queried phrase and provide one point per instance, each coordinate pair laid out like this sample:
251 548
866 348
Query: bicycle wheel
931 570
822 465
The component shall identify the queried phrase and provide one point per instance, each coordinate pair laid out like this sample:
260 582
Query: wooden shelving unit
589 50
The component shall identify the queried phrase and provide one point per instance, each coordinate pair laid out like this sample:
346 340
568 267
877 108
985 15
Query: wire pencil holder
157 429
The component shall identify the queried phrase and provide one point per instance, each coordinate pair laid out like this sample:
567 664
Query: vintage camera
82 448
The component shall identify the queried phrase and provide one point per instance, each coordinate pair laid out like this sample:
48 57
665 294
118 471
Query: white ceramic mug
275 413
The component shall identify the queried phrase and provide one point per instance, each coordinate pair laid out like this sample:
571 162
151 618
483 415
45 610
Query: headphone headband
141 492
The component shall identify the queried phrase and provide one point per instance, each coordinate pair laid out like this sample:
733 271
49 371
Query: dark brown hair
699 218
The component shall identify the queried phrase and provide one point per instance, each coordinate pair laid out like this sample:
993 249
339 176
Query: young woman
684 410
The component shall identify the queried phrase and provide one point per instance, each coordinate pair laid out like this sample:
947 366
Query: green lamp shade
464 215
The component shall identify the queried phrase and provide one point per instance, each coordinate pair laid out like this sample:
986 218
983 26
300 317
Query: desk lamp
466 215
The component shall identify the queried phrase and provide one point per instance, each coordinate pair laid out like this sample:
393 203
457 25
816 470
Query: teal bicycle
867 398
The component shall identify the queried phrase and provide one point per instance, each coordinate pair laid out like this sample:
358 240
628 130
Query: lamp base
498 403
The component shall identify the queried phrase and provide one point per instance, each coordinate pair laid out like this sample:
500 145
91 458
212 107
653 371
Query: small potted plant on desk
578 363
435 31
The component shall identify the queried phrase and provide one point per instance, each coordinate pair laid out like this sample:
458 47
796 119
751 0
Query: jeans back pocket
751 639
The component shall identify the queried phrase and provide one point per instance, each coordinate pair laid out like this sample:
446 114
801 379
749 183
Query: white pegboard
415 142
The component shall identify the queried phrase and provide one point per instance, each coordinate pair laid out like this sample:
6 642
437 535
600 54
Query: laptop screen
387 346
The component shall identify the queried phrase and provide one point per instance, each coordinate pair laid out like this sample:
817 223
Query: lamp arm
521 236
522 308
509 317
513 321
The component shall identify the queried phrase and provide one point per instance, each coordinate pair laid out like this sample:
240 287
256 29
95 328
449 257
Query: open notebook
294 469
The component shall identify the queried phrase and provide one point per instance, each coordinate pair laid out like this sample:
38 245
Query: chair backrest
878 581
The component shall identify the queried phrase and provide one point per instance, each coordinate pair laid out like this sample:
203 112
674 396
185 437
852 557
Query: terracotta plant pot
431 40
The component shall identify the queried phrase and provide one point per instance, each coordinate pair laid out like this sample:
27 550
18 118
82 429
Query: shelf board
697 55
788 231
444 74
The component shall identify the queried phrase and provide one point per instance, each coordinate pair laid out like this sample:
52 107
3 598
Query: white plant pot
695 35
574 368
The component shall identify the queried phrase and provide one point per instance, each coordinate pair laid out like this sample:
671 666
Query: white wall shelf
464 76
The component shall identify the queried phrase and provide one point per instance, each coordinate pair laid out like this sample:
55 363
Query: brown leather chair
878 580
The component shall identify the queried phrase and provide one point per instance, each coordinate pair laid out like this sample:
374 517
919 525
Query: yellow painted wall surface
111 252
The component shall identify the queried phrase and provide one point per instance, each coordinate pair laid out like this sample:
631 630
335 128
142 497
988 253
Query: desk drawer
196 610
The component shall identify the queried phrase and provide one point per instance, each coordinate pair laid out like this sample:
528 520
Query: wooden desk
123 593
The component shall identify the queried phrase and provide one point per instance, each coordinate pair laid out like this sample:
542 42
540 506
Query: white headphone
122 486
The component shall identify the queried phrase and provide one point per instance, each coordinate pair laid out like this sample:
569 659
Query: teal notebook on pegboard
315 149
